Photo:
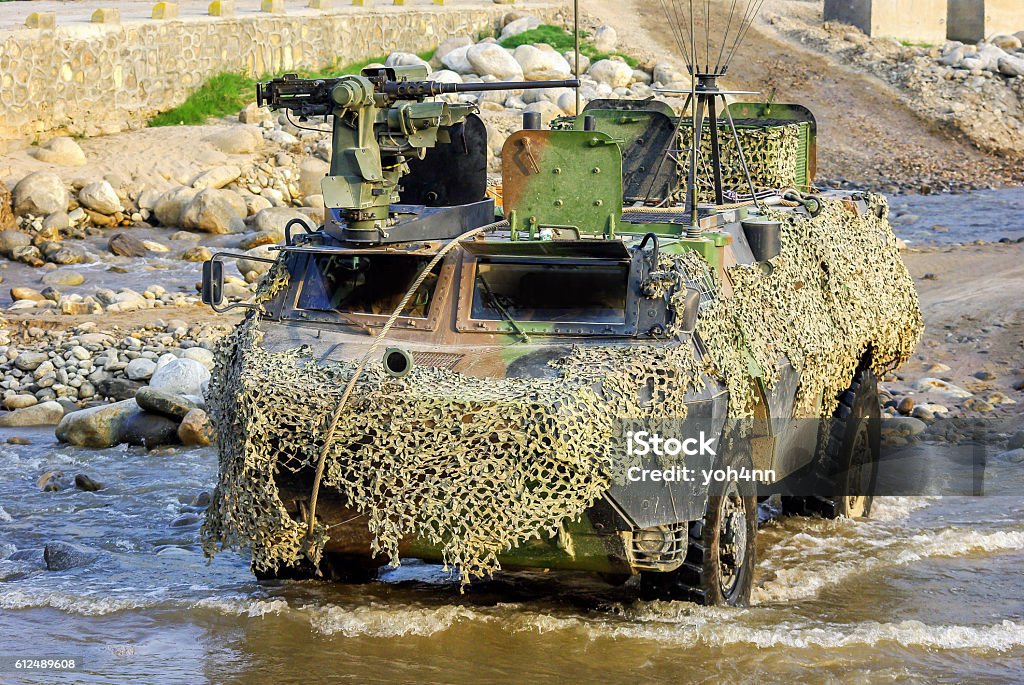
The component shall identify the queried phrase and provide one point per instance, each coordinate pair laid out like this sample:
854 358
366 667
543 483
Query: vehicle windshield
543 291
367 284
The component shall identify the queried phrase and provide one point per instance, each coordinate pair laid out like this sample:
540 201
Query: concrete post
916 21
106 15
165 10
272 6
41 20
973 20
222 8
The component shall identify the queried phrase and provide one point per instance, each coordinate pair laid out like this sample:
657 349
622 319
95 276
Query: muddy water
927 589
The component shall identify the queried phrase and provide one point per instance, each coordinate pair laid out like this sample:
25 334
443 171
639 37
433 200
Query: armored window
551 292
367 284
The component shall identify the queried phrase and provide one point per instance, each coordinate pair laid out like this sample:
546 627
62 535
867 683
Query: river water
927 588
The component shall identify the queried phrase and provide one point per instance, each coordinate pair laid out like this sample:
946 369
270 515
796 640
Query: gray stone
1011 66
58 221
100 197
149 430
164 403
246 266
125 245
42 414
605 39
201 355
451 44
117 388
87 484
458 61
1012 456
405 59
63 278
61 150
236 140
521 25
181 377
171 205
29 361
275 218
140 369
60 556
215 211
10 240
40 194
903 426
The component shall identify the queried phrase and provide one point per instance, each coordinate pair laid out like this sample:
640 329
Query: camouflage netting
474 466
838 291
479 466
772 155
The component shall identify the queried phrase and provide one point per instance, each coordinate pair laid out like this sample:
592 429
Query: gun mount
382 120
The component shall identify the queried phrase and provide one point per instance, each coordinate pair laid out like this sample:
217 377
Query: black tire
848 468
334 568
721 555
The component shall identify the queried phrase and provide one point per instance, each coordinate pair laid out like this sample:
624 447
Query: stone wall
102 79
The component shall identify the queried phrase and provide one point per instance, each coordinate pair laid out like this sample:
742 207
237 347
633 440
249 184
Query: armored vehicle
493 376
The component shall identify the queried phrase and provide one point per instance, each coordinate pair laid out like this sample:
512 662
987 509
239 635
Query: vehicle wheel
849 465
719 565
333 567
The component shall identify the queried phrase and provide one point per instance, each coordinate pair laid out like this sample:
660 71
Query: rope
343 402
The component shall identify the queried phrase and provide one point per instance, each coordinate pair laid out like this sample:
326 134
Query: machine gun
381 121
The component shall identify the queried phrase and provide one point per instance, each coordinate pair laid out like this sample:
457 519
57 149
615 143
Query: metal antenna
705 98
576 48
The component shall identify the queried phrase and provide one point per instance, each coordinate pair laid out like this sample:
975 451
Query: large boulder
42 414
164 403
405 59
196 429
521 25
66 278
40 194
170 208
458 61
149 430
217 177
60 556
494 60
541 65
246 266
97 426
29 360
611 72
275 218
236 140
605 38
118 388
10 240
62 150
140 369
125 245
181 377
100 197
451 44
215 211
311 172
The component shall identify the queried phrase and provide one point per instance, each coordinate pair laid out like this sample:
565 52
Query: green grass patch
562 40
219 96
227 93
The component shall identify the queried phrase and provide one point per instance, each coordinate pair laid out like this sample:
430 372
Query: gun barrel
510 85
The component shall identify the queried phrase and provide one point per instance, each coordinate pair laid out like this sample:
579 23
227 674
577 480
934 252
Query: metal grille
680 217
437 360
659 549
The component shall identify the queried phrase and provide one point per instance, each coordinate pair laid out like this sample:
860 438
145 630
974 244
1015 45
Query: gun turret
381 120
